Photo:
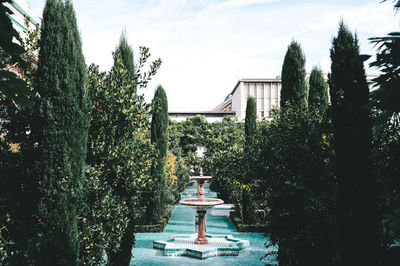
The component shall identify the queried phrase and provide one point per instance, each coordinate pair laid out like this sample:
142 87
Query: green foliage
357 208
126 52
386 158
250 158
223 158
318 94
18 186
194 131
159 138
119 149
182 172
386 97
142 79
61 128
297 186
250 124
100 220
294 87
12 84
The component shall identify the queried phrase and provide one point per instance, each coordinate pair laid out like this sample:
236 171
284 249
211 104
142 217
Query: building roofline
255 80
225 102
23 12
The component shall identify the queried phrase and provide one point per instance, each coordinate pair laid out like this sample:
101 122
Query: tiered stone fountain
200 247
201 205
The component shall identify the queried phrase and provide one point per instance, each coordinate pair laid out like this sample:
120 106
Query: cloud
239 4
207 45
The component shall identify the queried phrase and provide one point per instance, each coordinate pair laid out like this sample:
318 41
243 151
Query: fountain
201 205
197 245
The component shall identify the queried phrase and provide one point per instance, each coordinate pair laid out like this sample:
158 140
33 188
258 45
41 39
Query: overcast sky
207 45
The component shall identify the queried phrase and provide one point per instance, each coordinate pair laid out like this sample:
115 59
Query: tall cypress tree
357 210
294 86
126 52
61 133
159 137
318 94
250 124
250 128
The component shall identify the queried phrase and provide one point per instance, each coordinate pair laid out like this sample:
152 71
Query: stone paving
182 223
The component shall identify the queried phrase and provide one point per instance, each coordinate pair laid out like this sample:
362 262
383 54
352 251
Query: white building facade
267 93
20 9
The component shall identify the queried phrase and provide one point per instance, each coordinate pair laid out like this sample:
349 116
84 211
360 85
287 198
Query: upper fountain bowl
200 178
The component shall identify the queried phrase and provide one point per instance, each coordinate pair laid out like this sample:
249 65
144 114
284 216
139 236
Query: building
267 93
21 10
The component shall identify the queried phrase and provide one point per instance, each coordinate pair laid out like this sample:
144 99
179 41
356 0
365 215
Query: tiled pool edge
227 245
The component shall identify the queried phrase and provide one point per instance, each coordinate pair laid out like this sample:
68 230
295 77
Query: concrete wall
266 93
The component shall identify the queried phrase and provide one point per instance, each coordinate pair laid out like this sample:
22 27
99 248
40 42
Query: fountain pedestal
201 205
201 237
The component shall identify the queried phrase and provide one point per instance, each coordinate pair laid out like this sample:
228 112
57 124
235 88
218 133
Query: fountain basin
205 204
218 245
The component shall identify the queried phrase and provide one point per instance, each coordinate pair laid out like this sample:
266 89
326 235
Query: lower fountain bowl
205 204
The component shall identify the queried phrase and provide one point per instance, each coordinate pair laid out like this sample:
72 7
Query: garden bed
241 227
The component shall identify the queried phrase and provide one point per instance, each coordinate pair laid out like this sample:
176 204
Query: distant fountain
199 246
201 205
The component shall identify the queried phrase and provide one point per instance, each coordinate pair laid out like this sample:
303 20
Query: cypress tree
250 124
159 138
126 52
61 133
250 128
294 87
357 210
318 94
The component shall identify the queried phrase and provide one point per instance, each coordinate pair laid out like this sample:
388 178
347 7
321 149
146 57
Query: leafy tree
223 159
194 132
297 187
357 208
159 138
385 98
61 131
294 86
386 109
120 151
182 172
101 220
318 94
386 157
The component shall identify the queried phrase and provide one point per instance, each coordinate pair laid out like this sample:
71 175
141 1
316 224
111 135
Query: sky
207 45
